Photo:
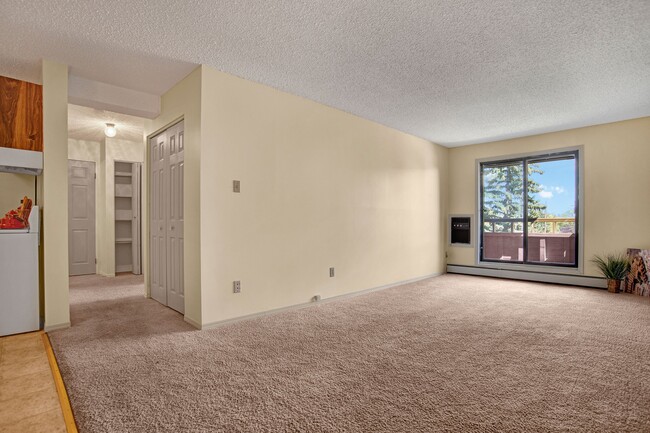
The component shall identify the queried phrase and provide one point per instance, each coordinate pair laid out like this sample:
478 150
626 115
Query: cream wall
183 101
54 197
320 188
84 150
13 187
102 221
616 183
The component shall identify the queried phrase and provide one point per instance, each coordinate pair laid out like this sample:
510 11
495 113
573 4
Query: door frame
137 239
136 166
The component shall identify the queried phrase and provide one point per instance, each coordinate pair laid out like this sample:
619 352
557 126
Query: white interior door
166 217
81 217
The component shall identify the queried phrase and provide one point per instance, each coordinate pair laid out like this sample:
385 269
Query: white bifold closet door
166 225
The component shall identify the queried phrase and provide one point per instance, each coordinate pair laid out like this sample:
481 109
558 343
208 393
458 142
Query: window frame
550 154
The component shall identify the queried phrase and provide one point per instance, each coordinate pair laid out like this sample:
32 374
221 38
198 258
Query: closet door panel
157 227
175 235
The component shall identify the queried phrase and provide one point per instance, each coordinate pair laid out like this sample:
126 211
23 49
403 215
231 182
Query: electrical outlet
331 272
236 286
235 186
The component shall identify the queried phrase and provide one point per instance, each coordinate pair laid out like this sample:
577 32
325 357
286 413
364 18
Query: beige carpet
448 354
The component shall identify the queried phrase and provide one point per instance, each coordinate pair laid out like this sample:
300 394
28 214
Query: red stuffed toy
17 218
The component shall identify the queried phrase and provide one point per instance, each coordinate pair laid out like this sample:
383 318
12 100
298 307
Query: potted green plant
614 267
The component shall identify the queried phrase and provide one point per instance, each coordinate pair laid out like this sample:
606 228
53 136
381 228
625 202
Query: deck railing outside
538 225
550 240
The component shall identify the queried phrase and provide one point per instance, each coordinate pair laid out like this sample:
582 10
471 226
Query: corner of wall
55 194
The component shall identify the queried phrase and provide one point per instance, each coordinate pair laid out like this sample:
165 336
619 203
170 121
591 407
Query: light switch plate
235 186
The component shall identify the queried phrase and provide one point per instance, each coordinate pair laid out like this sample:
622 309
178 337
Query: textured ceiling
88 124
454 72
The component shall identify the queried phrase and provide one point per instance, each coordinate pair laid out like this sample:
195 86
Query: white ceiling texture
451 71
85 123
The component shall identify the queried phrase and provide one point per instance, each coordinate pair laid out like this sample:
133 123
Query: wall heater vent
460 230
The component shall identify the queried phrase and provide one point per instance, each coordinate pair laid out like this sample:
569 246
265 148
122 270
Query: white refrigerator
19 300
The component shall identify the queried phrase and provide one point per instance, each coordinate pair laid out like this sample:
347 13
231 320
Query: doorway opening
128 251
105 156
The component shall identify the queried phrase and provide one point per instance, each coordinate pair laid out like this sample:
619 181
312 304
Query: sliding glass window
529 210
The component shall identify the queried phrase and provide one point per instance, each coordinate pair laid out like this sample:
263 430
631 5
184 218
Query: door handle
172 227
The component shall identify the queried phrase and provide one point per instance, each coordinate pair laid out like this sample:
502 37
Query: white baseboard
194 323
572 280
50 328
219 323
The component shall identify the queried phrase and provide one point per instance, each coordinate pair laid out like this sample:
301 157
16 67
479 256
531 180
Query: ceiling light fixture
110 130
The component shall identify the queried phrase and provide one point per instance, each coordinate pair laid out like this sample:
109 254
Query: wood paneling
21 114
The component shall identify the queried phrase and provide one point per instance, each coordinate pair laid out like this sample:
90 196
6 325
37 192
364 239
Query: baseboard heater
544 277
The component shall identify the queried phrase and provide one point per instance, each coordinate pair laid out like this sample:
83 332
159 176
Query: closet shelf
123 240
123 190
123 173
123 215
